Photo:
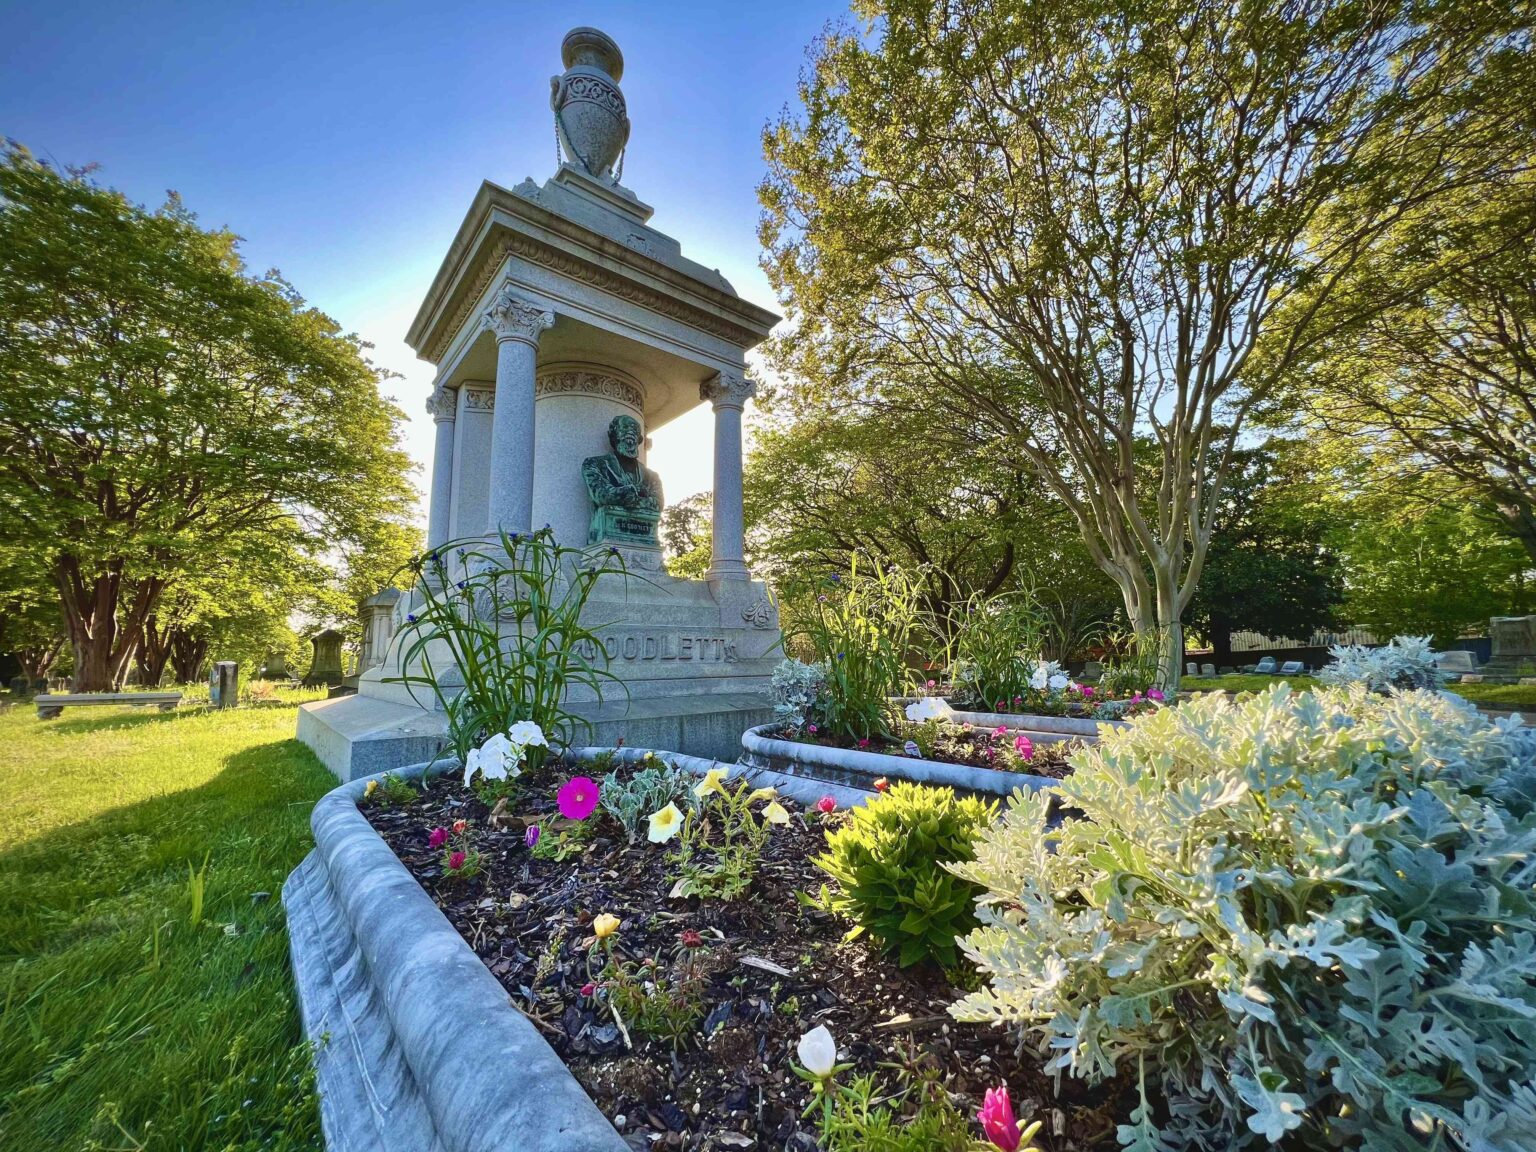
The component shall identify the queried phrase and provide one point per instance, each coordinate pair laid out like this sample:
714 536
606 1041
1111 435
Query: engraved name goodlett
665 646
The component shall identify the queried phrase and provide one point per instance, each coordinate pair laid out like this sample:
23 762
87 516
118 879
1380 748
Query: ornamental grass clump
888 860
1300 920
862 627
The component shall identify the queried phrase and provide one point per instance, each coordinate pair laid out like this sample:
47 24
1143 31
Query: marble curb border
1060 727
852 767
417 1047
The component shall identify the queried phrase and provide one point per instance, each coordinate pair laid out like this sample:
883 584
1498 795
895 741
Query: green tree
31 628
687 538
1096 226
157 402
1270 567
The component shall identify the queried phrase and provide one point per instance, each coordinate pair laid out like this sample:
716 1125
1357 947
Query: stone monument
1513 640
563 328
325 667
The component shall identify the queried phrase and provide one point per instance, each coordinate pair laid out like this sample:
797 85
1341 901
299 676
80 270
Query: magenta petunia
577 798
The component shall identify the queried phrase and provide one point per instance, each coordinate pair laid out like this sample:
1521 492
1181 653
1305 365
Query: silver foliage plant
794 689
655 785
1407 662
1295 920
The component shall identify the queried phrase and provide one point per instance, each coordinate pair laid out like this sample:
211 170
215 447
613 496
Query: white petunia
818 1052
527 734
471 765
1038 678
929 708
1057 682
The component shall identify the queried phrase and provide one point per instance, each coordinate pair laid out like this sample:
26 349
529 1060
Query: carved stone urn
590 117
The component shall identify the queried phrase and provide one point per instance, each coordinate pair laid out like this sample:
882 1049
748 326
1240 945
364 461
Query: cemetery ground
146 1000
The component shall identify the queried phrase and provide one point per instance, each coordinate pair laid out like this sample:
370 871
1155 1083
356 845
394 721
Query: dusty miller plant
1407 662
1300 920
793 690
655 785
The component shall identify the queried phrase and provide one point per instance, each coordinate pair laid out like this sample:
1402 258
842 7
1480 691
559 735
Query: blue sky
345 141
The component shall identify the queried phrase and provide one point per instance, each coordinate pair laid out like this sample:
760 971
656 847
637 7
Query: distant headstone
224 684
275 667
1191 669
1226 670
1207 669
1456 661
378 616
1472 678
1528 681
325 667
1092 669
1266 666
1514 645
1292 668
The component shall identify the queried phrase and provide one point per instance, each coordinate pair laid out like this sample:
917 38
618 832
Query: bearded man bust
626 495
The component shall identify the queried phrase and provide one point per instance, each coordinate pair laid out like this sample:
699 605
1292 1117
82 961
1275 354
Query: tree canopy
159 403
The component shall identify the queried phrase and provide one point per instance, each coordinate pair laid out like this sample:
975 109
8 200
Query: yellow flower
664 824
775 813
762 794
710 783
373 786
605 925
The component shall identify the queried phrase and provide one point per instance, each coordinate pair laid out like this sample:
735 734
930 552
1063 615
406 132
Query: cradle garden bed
767 968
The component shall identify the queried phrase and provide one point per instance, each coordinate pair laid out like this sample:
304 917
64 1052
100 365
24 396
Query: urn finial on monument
591 120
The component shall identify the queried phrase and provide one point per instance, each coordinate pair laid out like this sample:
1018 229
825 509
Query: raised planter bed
854 768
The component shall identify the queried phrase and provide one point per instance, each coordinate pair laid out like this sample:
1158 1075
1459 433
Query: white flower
818 1052
929 708
664 824
1057 682
498 756
1038 678
527 734
471 765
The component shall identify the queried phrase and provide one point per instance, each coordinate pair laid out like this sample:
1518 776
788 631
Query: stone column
517 324
729 393
441 405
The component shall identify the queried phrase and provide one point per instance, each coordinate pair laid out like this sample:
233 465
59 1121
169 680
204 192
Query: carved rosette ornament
728 390
591 120
511 317
442 404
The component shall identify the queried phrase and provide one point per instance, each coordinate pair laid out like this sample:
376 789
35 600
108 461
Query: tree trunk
1221 642
37 662
187 654
102 644
154 651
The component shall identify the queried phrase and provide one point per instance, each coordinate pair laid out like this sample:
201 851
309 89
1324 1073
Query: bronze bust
626 495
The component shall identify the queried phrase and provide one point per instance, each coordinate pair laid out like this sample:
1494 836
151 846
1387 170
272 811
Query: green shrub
995 647
1300 920
888 861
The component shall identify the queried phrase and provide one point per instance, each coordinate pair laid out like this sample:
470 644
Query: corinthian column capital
728 390
511 317
442 404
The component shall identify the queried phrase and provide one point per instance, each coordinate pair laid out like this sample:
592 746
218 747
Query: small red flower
437 837
826 805
882 784
589 989
691 939
459 826
455 861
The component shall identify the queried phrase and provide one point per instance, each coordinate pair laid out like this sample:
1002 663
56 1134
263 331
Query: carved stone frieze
589 382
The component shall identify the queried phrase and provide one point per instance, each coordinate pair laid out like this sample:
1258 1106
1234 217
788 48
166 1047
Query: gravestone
1514 646
325 667
1207 669
1456 660
224 684
378 616
275 667
1191 669
1266 666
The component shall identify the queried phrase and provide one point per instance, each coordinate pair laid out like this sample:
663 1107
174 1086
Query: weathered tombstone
1456 661
224 684
1191 669
378 616
1207 669
1226 670
275 667
1472 678
1292 668
19 685
325 667
1092 669
1514 646
1266 666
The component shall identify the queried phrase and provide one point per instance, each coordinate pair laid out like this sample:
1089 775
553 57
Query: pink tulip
997 1119
437 837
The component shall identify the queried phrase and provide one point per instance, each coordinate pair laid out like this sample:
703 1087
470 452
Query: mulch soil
772 969
966 745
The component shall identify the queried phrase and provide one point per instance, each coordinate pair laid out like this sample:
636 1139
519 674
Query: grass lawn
1494 695
129 1021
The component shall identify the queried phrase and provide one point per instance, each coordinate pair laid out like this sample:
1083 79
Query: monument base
357 736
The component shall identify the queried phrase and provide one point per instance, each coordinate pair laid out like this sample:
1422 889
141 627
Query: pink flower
1017 700
864 742
455 861
811 728
531 837
997 1119
881 784
826 805
589 989
1001 704
437 837
1136 699
1087 689
577 798
1024 746
1156 694
933 684
999 731
459 826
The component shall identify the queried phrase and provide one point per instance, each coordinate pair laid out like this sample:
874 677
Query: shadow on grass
83 721
111 997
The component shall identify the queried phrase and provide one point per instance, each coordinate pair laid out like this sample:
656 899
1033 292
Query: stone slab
358 736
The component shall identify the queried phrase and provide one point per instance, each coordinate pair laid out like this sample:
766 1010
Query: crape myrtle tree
1095 224
1444 381
157 402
